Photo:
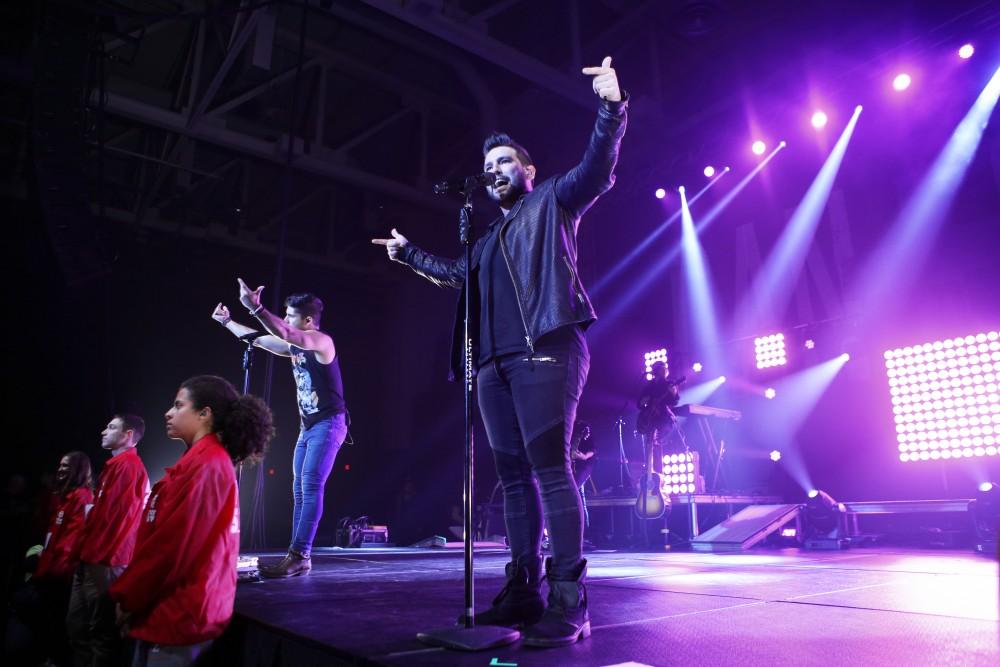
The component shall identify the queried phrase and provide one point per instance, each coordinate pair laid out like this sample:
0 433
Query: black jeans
529 407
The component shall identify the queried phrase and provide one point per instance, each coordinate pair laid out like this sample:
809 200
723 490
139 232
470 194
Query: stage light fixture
651 358
709 171
680 189
660 193
696 367
682 473
758 147
966 51
984 509
819 120
901 82
825 521
769 393
770 350
775 456
810 343
945 397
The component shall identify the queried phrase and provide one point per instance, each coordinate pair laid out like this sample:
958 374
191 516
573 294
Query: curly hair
244 424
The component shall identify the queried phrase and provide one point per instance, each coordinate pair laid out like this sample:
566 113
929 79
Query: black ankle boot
566 619
520 601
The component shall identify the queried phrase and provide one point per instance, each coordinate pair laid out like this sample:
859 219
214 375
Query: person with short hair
529 315
323 416
107 543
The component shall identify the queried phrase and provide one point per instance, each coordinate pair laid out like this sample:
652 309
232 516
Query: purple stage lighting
902 82
709 171
813 493
758 147
722 378
810 343
966 51
660 193
770 350
945 397
769 393
775 455
696 367
985 487
651 358
819 120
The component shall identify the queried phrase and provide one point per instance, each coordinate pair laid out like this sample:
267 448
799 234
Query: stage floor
869 606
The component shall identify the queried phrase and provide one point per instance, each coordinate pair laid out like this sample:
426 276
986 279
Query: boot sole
545 642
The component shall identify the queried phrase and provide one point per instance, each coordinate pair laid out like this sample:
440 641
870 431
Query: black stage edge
865 606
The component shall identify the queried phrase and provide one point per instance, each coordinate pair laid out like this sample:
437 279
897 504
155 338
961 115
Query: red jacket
181 583
59 559
109 533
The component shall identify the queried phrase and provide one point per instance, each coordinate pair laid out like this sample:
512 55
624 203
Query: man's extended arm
439 270
272 344
306 339
577 189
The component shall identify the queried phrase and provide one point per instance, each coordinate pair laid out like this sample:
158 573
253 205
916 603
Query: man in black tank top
322 410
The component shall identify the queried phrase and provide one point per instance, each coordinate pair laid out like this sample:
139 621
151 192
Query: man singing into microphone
532 359
322 409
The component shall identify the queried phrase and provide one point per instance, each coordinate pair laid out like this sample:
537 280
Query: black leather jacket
538 242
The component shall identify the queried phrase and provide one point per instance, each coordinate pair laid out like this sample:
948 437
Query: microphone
463 185
252 336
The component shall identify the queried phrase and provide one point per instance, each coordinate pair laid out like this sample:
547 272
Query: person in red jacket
177 595
75 490
40 607
106 544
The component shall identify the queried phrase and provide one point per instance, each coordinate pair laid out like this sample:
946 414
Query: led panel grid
682 474
770 350
651 358
945 397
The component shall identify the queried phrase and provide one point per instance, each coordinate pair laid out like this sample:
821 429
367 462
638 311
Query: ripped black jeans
529 406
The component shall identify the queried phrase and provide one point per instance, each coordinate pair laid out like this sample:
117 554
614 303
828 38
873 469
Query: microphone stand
622 459
247 565
469 636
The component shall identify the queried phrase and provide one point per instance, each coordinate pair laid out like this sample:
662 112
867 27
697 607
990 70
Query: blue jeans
528 407
315 452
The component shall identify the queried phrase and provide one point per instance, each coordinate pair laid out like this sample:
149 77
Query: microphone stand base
476 638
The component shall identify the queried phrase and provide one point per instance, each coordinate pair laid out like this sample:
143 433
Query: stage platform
866 606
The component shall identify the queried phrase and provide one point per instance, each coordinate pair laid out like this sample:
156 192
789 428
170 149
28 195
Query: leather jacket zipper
517 294
576 283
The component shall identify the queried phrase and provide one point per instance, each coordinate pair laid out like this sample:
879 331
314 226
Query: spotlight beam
649 240
700 392
699 287
899 256
773 286
668 258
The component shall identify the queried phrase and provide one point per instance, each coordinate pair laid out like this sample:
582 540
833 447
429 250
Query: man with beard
532 359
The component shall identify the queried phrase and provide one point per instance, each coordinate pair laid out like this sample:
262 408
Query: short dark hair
132 423
244 424
308 304
503 139
80 473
